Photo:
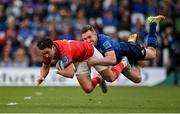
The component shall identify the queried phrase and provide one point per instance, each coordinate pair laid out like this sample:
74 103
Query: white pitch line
12 104
27 98
39 93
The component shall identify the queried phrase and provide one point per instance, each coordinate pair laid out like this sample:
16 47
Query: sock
95 81
117 69
152 39
152 29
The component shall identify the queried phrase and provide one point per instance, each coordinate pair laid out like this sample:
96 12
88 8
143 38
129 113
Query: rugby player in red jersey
74 55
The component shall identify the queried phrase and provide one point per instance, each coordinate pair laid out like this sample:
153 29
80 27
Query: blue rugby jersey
132 50
105 44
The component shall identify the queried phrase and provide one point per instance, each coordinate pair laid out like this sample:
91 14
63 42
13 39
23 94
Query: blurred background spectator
22 23
20 59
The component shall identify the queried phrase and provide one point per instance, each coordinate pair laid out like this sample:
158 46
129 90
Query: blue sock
152 42
152 30
152 39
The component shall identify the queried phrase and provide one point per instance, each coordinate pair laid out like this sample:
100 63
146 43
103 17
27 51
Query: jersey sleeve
66 60
66 57
106 46
65 54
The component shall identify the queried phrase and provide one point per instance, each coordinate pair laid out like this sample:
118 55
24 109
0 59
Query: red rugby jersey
72 51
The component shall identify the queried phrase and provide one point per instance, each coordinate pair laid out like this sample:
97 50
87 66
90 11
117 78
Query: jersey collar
97 43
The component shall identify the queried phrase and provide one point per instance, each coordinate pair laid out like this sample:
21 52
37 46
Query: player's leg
85 81
152 39
87 84
112 73
139 52
132 73
135 75
102 85
108 73
117 69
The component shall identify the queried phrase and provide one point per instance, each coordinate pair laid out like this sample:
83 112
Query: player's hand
40 80
58 71
92 62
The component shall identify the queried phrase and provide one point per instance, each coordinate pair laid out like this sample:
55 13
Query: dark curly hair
44 43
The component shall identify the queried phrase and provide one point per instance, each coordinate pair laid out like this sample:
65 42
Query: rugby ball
60 65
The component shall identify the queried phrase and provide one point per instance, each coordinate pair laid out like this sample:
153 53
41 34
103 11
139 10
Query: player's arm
68 71
43 73
108 59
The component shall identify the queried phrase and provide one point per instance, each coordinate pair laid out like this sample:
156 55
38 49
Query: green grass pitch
73 99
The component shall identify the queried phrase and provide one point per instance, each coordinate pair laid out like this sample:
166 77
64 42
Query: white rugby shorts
84 69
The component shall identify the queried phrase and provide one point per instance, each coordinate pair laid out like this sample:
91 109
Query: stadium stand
22 23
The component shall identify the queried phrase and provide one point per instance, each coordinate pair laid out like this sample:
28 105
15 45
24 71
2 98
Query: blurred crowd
23 22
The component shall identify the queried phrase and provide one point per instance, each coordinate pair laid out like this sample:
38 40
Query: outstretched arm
44 73
109 59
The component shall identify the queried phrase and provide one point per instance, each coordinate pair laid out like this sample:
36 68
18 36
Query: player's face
90 37
48 53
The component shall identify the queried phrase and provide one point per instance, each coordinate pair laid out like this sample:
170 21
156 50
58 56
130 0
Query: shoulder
57 42
103 36
104 41
61 45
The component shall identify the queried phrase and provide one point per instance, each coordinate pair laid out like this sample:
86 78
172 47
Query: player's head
46 47
89 34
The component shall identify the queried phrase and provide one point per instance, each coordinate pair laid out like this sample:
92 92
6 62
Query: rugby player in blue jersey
114 51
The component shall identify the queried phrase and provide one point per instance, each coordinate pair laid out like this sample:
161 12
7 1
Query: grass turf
73 99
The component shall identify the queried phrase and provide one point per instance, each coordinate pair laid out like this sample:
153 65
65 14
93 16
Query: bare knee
153 55
150 53
88 89
135 74
137 80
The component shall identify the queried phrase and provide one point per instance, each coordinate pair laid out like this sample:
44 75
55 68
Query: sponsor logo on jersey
65 60
107 44
142 51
